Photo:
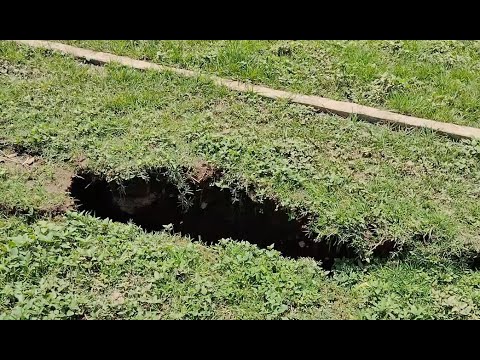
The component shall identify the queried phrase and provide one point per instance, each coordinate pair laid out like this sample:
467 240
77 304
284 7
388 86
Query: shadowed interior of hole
214 213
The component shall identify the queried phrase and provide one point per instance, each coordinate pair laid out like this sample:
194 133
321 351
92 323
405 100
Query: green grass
364 183
439 80
415 288
79 267
40 187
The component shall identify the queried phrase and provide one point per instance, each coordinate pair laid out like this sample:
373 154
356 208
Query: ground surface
358 183
439 80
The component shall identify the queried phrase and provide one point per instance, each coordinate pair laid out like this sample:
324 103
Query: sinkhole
206 212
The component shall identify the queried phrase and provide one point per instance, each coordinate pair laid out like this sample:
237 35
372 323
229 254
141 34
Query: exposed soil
58 184
11 159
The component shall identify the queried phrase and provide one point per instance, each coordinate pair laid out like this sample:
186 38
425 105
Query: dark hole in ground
214 213
474 262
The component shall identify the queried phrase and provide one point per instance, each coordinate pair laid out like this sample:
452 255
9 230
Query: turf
79 267
439 80
32 188
363 183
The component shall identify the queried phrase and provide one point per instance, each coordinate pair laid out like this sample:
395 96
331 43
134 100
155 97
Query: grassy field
439 80
359 183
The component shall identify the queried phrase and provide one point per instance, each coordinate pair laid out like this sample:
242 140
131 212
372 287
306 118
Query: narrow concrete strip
323 104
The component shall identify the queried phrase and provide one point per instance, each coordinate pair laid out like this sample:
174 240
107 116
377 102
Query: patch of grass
439 80
419 287
79 267
36 188
363 183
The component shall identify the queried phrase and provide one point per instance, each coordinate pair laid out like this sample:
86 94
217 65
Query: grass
36 188
439 80
363 183
416 288
79 267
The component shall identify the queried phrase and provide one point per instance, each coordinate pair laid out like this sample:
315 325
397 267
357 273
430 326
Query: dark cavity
206 212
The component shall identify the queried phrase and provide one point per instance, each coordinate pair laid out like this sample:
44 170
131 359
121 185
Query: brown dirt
202 172
13 160
81 161
60 185
61 182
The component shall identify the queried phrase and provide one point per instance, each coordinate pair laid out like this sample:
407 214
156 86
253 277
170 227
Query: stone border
341 108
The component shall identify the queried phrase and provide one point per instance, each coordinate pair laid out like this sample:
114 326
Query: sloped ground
356 183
